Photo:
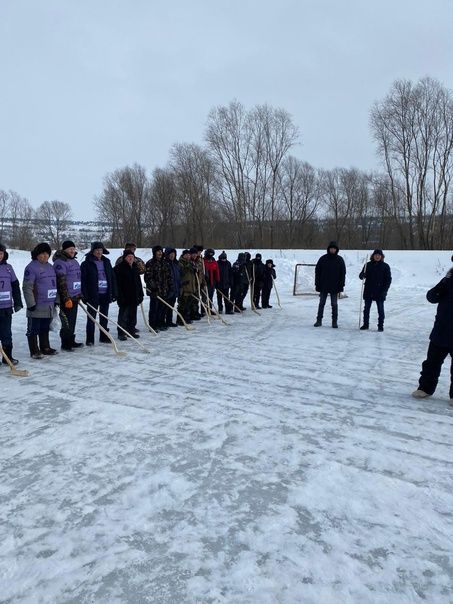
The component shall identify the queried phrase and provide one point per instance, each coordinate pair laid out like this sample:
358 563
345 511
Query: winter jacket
40 289
330 272
91 286
175 274
225 274
269 275
188 280
158 278
211 272
442 295
257 273
137 261
69 280
129 284
10 296
378 278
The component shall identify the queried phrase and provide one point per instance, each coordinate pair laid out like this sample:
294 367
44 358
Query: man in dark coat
257 279
175 272
225 283
98 288
330 275
441 338
130 293
268 282
378 278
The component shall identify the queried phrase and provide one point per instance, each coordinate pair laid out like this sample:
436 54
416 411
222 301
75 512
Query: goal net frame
296 289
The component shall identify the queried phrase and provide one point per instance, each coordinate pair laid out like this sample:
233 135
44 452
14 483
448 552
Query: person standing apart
69 288
40 293
330 276
10 299
268 282
378 278
441 338
98 288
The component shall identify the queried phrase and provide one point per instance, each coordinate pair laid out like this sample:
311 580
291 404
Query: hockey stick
147 325
230 301
276 292
203 305
104 331
122 329
216 311
361 290
188 327
252 303
14 371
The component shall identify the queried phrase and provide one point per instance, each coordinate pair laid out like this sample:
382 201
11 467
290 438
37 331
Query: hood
333 244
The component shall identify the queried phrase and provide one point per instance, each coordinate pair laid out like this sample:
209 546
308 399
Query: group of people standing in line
190 282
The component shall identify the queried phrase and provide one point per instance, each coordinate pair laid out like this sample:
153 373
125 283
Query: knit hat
193 250
380 252
130 245
41 248
169 250
223 256
97 245
184 252
334 245
199 248
258 256
67 244
157 248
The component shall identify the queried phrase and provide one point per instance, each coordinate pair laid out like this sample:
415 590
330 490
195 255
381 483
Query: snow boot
334 324
364 327
380 328
8 350
35 353
44 344
75 344
420 394
318 323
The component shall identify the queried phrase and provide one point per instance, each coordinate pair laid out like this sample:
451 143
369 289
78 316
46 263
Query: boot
75 344
364 327
380 327
8 350
44 344
103 338
66 344
318 323
35 353
334 324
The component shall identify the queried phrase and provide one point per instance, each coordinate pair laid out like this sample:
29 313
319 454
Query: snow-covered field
261 462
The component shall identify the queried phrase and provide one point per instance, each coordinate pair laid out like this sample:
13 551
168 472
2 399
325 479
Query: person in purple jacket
40 293
10 299
69 286
99 288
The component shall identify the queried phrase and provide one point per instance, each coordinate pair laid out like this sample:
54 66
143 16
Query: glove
18 307
68 304
32 308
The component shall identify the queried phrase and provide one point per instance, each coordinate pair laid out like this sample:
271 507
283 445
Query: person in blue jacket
10 299
441 338
378 278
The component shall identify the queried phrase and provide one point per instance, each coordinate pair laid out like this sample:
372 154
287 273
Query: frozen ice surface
261 462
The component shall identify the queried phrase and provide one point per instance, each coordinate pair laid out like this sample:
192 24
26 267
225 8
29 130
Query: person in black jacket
257 279
268 282
130 293
330 275
441 338
225 284
98 288
378 278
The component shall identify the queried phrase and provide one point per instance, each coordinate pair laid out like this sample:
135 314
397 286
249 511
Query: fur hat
41 248
199 248
270 261
209 253
97 245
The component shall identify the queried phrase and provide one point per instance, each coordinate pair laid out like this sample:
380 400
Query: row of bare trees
244 187
22 227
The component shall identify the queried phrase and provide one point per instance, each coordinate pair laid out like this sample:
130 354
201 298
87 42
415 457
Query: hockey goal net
304 280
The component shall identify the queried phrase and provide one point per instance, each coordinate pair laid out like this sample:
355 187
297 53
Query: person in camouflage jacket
187 304
158 283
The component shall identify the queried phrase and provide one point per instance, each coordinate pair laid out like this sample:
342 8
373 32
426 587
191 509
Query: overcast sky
88 86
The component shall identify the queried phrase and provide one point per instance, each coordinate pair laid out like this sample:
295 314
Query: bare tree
413 129
21 219
53 219
163 211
